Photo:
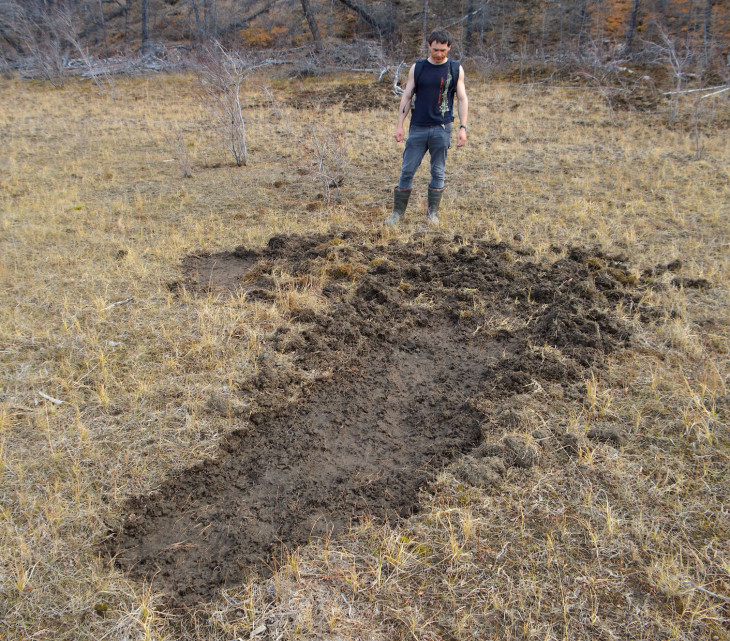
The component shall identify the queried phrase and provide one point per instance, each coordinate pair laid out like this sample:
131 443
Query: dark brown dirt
354 97
385 380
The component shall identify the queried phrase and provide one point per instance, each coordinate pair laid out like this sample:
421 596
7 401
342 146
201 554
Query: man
430 90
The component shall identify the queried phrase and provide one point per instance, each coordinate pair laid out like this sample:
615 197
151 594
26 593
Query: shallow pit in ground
359 402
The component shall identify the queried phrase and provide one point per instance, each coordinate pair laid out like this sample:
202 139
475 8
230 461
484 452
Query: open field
137 342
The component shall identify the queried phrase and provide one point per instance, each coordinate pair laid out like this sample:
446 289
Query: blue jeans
436 140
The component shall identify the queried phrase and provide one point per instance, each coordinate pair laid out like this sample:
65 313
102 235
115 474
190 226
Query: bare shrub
223 75
328 159
47 38
678 59
43 34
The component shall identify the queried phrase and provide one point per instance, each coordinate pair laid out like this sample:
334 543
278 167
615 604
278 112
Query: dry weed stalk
182 154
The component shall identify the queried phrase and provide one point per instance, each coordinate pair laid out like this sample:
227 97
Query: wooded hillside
500 30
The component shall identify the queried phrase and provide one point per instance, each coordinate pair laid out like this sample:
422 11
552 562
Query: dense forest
499 30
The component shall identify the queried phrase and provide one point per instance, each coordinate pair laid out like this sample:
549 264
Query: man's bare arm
405 104
463 108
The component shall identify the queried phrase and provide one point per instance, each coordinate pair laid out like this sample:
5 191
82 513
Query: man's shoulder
457 69
417 67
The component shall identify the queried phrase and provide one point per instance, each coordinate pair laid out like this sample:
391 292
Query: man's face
438 51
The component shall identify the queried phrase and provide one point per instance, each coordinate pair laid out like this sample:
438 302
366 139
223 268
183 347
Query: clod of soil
385 375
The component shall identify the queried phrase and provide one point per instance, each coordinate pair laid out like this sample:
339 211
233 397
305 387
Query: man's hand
405 105
461 137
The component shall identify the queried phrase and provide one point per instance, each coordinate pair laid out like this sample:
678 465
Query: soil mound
385 376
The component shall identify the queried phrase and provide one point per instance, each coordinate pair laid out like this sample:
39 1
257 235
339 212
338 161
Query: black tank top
435 89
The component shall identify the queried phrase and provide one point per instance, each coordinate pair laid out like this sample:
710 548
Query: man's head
439 44
440 35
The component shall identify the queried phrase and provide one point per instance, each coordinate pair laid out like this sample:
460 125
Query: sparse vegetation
610 521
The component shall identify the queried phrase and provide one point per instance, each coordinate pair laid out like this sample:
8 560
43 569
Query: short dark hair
440 35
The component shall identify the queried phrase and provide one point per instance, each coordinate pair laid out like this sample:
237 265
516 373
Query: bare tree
425 23
206 22
198 22
708 23
210 18
145 25
127 10
632 25
380 26
102 21
469 26
583 21
309 15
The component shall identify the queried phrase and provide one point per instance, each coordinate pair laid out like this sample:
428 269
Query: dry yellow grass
95 216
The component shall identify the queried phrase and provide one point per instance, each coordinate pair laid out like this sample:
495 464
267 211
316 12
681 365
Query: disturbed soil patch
357 404
354 97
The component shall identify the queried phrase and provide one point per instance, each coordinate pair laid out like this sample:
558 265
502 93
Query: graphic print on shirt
443 101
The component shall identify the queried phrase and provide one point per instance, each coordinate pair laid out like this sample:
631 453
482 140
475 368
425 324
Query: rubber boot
434 201
400 202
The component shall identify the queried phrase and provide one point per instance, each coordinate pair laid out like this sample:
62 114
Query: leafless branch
397 90
720 87
715 93
55 401
471 14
